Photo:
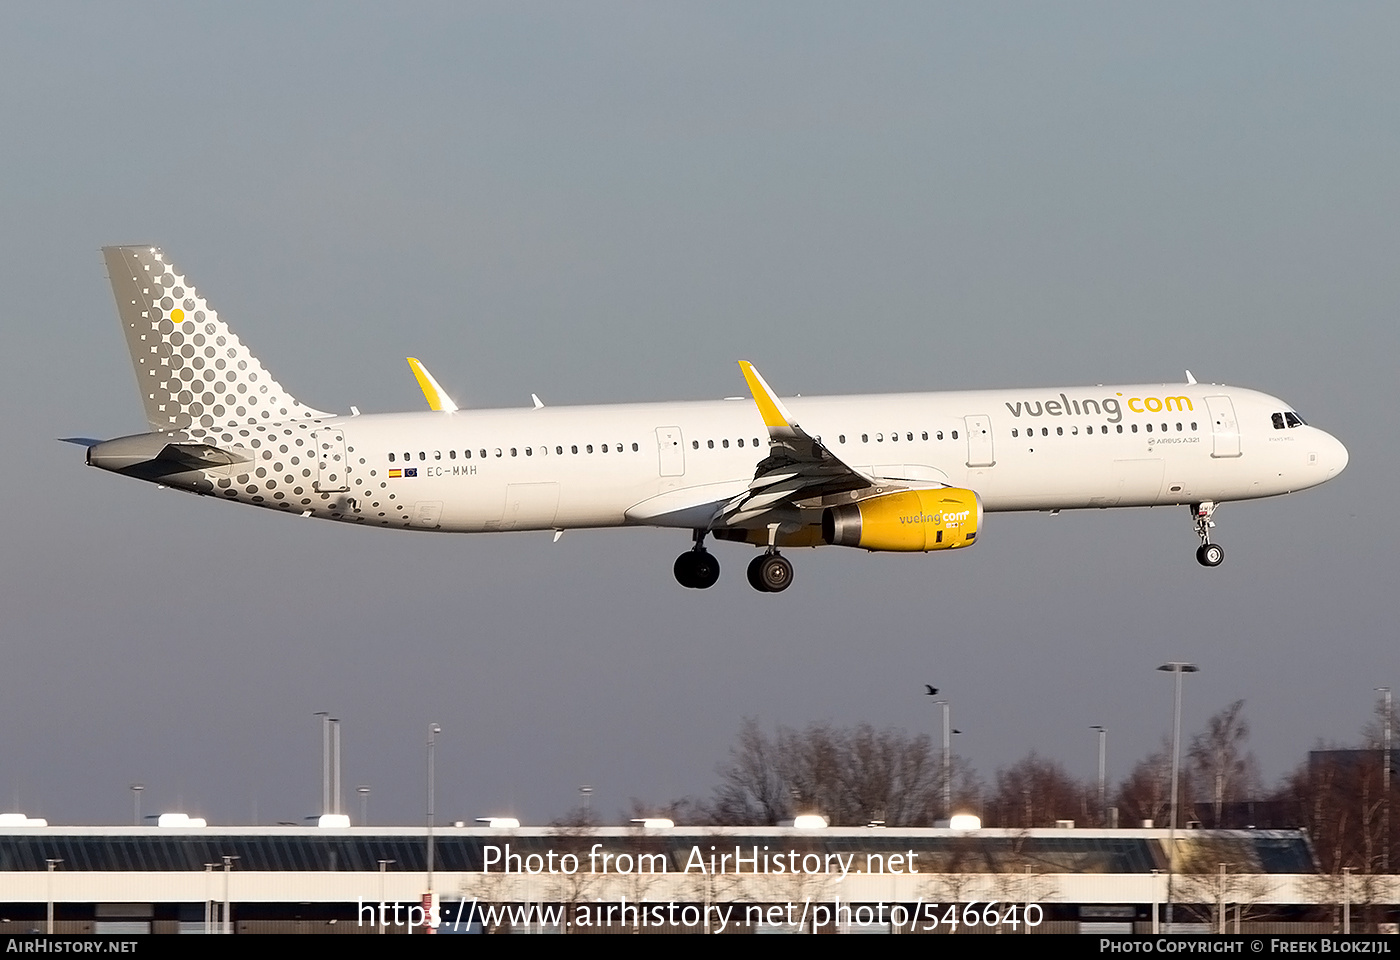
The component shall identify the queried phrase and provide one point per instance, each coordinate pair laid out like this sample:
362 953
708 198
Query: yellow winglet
436 396
775 415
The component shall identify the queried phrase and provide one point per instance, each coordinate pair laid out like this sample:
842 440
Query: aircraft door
670 447
530 506
979 441
332 466
1224 428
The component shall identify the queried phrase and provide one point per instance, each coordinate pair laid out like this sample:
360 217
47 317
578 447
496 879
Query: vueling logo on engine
948 518
1108 406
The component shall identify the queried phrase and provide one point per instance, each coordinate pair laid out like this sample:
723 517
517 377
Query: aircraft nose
1335 456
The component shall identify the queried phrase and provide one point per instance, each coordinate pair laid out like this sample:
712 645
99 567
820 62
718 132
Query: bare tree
1219 761
752 790
1035 792
849 776
1146 793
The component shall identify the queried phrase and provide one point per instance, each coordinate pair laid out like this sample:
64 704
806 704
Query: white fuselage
673 464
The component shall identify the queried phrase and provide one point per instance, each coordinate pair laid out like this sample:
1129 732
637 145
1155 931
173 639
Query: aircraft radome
910 472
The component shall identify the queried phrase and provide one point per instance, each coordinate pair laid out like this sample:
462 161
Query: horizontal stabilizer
80 441
199 456
151 455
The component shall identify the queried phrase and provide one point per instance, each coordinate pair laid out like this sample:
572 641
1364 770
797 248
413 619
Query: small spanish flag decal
395 474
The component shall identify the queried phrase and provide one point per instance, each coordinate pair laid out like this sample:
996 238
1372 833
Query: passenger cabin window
391 458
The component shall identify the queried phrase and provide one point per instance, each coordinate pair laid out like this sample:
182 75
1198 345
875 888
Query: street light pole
1385 783
1177 667
325 760
947 762
335 767
1103 797
228 868
433 731
208 899
52 864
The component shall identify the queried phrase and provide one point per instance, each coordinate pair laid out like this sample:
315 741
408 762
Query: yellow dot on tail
177 315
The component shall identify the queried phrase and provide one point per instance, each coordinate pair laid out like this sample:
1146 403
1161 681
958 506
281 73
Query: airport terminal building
373 880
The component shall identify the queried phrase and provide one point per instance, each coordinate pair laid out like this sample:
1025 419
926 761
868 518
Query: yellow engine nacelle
911 520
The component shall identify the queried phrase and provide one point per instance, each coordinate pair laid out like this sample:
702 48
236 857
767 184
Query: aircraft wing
798 466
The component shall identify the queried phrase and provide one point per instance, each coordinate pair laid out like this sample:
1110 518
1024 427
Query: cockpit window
1293 419
1278 421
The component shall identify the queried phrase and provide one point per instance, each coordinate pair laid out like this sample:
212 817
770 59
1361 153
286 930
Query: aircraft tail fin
194 374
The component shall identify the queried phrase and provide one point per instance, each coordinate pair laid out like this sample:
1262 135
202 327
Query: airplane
913 472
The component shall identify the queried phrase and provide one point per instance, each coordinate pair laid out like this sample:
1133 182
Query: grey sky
614 202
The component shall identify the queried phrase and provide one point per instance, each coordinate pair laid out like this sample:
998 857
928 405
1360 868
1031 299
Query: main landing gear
770 572
1209 554
697 568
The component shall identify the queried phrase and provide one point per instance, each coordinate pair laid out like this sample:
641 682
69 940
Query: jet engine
941 518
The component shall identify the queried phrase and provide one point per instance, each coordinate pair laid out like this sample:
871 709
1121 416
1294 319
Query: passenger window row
724 444
894 436
543 451
1102 428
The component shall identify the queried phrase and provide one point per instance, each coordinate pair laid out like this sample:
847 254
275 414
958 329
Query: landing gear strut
697 568
1209 554
770 572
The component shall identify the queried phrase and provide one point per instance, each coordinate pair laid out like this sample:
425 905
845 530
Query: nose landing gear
1209 554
